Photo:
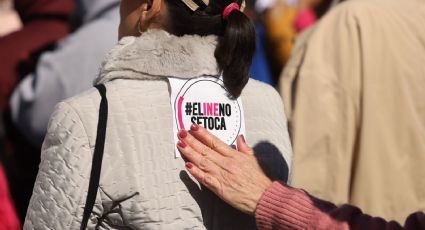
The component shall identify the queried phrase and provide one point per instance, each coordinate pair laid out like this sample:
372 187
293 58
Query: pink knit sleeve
282 207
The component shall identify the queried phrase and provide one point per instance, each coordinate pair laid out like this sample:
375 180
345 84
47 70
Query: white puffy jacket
142 185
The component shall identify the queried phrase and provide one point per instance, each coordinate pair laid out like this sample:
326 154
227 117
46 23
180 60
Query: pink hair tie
231 7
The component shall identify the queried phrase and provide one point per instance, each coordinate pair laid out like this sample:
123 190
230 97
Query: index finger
196 149
210 140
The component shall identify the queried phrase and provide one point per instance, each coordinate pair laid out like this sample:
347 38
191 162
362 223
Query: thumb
243 147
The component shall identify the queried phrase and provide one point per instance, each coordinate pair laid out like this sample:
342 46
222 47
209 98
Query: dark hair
236 37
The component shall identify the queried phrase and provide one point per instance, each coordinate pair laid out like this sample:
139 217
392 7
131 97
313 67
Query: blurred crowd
350 75
50 50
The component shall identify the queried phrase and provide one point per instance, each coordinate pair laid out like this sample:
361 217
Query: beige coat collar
157 54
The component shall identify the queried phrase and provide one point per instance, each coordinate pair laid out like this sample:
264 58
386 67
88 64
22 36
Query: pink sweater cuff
282 207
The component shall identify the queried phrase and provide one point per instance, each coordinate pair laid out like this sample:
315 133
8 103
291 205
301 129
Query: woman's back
143 185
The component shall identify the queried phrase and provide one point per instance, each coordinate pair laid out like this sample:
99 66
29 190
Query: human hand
233 175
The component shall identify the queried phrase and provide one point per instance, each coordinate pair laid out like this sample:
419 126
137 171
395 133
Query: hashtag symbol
188 108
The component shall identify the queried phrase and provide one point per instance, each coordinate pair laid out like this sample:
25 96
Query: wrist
263 187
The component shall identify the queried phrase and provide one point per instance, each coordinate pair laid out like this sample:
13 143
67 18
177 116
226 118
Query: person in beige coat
142 184
354 96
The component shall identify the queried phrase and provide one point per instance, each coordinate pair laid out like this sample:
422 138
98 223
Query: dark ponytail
235 50
236 38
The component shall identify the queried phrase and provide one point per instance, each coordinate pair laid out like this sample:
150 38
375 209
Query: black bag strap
97 156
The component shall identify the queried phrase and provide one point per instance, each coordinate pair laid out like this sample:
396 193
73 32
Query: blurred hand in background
9 19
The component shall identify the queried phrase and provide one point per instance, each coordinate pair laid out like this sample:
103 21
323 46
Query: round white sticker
205 101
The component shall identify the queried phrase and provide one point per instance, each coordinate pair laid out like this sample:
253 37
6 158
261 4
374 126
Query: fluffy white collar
158 54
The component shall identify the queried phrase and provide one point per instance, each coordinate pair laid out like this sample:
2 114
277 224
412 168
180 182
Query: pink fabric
304 19
282 207
8 217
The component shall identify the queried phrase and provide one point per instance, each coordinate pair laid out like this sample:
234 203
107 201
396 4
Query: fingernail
189 165
182 133
243 138
194 127
181 144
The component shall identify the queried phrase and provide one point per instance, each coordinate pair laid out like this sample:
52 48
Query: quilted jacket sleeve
61 187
